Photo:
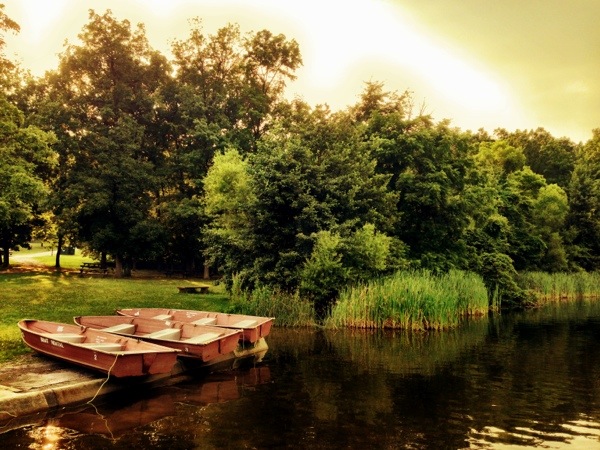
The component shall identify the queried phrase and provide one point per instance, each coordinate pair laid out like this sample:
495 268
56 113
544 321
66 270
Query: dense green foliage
200 160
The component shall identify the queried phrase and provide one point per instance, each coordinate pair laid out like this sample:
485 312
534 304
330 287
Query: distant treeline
199 159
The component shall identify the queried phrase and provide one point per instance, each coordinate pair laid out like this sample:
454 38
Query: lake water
528 380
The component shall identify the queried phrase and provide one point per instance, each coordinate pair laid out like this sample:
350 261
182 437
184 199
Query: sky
513 64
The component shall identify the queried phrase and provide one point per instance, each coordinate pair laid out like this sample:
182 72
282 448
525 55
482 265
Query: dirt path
29 258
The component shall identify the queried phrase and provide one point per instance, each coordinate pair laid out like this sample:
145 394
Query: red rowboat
105 352
200 342
253 327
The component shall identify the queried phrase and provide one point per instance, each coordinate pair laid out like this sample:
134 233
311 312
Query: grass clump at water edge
561 287
288 309
415 300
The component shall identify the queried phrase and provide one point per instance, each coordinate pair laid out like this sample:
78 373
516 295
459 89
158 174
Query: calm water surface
530 380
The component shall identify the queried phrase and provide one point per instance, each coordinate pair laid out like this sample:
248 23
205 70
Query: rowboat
105 352
253 327
201 342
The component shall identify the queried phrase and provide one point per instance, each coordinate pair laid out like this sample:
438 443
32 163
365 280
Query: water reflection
119 415
528 380
520 380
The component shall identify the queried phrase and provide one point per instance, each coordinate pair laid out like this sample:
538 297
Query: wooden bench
73 338
248 323
203 338
205 321
201 289
92 268
122 328
171 334
104 346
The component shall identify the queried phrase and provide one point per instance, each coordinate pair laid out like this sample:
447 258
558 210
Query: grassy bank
61 297
406 300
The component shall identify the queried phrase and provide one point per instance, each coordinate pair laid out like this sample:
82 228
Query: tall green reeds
289 310
560 287
416 300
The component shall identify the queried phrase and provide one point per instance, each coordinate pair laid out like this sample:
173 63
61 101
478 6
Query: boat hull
253 327
97 350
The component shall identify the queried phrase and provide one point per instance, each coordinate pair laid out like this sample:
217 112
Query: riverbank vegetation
409 301
304 213
412 301
561 287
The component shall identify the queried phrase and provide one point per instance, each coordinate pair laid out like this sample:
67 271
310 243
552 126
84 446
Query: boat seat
163 317
125 328
167 333
66 337
104 346
245 323
205 321
203 338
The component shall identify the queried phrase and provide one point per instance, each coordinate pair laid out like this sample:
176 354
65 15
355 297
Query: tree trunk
59 251
206 272
5 257
118 266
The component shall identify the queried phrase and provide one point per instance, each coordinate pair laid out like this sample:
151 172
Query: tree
226 88
519 223
324 273
23 151
269 61
338 261
7 67
550 210
229 200
198 111
553 158
427 164
584 201
43 104
310 174
519 194
108 85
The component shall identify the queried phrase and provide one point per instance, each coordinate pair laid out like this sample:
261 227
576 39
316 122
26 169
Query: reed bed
561 287
288 309
411 300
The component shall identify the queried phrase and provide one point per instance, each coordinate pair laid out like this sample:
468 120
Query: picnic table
92 267
197 289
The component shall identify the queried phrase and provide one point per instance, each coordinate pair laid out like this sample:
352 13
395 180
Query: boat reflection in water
117 416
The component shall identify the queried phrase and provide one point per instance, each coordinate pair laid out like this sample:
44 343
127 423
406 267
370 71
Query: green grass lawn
66 261
59 298
38 252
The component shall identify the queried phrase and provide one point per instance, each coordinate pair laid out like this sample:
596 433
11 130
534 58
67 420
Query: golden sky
516 64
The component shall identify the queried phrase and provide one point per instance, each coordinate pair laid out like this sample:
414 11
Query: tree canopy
200 160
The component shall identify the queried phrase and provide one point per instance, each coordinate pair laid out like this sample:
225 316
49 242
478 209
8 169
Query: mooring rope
105 381
105 420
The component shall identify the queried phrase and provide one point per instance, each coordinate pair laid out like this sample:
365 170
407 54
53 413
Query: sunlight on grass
61 297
